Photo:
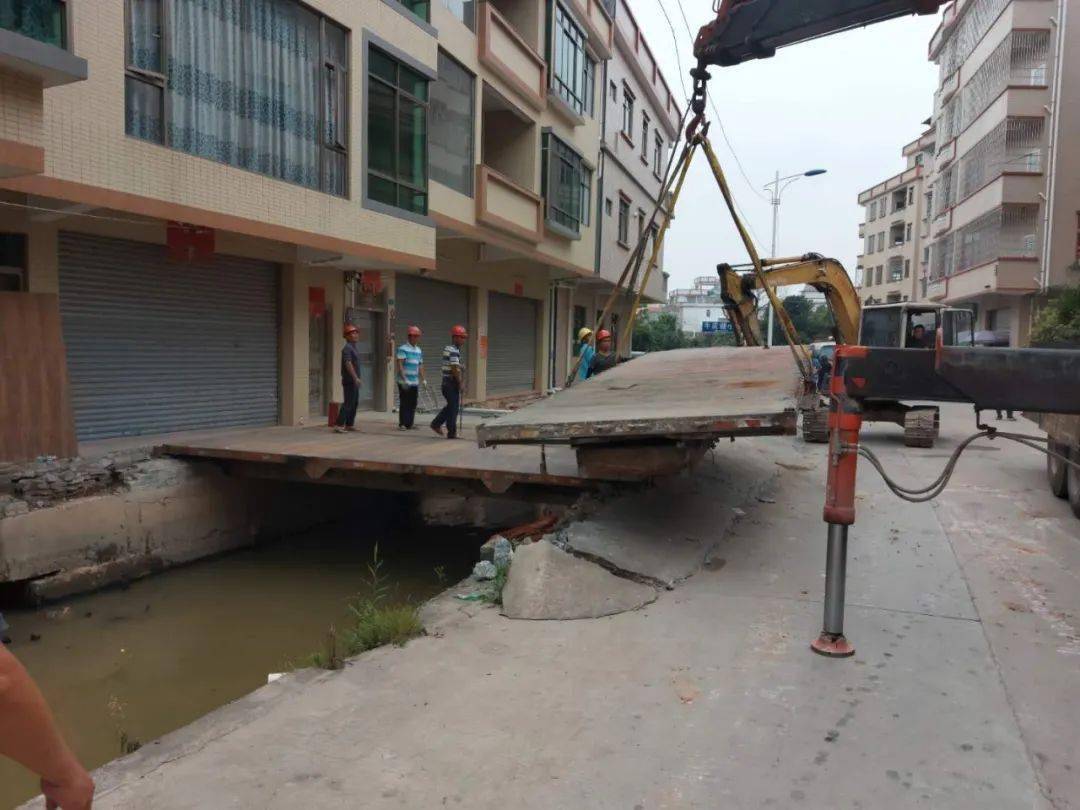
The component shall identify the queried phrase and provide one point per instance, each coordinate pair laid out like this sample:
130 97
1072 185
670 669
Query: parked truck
1064 432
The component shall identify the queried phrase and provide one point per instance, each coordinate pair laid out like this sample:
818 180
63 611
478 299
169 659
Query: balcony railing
504 51
1010 231
504 205
43 20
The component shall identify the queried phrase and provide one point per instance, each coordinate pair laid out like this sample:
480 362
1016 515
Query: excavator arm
827 276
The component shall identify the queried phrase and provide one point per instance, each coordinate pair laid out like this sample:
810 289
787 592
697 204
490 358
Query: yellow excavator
899 325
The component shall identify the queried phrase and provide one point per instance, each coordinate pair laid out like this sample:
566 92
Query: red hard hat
414 330
459 331
350 328
603 334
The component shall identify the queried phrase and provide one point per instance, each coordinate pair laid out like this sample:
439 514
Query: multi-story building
895 228
640 124
1006 180
212 190
699 309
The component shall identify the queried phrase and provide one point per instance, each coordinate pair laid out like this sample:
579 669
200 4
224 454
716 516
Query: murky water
155 656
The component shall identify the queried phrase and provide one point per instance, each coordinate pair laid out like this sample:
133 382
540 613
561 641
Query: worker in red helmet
605 356
410 373
350 380
453 383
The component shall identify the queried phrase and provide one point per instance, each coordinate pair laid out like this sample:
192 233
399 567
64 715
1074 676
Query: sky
845 103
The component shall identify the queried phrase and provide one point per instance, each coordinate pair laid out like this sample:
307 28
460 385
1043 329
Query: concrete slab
547 583
664 535
684 393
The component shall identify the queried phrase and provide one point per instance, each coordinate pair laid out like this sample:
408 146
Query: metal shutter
511 360
155 346
436 307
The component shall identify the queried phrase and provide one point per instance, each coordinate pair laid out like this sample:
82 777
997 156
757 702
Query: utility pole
774 188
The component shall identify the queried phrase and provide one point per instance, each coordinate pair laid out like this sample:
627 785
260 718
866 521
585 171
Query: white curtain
244 85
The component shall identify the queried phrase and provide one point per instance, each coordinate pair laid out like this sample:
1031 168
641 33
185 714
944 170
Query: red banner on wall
188 243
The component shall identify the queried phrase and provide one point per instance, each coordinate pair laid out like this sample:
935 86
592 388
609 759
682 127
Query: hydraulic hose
932 490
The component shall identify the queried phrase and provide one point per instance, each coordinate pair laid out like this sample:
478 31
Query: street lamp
775 189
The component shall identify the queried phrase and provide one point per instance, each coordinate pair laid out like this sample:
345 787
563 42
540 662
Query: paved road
963 693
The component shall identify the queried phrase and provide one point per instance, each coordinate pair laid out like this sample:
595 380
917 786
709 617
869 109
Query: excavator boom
754 29
827 276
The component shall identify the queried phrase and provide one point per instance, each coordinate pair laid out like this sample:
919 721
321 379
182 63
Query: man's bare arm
28 735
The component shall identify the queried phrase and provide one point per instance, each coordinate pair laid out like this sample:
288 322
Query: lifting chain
697 100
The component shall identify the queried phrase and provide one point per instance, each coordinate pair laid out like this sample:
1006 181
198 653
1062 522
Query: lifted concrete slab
685 394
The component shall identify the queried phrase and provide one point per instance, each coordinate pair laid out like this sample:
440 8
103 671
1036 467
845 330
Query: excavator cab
914 326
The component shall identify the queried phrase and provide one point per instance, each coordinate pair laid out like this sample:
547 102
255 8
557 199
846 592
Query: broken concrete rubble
546 583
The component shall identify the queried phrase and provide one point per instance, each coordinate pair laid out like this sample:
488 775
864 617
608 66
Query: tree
658 334
811 322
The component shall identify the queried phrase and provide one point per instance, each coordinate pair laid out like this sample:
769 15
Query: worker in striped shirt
410 373
453 382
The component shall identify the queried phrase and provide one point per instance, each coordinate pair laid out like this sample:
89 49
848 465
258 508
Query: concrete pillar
385 402
476 383
294 345
43 258
544 343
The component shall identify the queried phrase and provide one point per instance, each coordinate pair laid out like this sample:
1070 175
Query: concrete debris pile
49 480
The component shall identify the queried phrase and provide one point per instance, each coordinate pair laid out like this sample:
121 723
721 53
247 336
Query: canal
132 664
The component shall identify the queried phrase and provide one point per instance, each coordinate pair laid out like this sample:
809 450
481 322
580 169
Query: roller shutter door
155 346
511 360
436 307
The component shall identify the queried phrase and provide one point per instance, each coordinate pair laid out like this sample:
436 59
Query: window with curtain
43 20
624 222
567 186
452 127
257 84
397 134
464 10
572 70
658 155
628 114
644 136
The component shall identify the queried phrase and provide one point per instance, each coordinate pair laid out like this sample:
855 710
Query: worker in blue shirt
410 373
586 351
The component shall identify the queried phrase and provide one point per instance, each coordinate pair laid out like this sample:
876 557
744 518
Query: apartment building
1006 181
699 309
640 124
212 190
895 229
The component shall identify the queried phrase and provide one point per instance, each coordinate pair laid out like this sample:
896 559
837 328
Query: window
567 186
873 211
645 137
628 114
907 233
463 10
12 262
907 268
292 78
450 143
572 70
870 244
640 223
614 92
421 8
877 274
881 241
911 195
624 222
397 134
607 206
43 20
658 154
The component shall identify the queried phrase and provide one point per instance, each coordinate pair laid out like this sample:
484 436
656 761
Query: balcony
35 40
506 206
505 52
1014 276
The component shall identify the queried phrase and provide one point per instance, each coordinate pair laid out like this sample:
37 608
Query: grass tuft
374 623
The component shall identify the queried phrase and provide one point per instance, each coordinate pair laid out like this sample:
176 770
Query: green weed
374 622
